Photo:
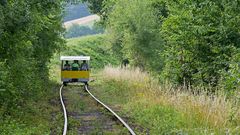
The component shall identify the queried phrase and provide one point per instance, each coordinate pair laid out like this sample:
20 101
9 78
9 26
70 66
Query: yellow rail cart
75 69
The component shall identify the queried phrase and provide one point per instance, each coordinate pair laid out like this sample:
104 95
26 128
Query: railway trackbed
85 114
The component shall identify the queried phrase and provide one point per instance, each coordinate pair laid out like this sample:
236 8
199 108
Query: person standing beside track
125 62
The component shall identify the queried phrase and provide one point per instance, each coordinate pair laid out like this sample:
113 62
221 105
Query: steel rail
110 110
64 111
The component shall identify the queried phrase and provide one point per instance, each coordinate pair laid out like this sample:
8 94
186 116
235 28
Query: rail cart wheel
64 83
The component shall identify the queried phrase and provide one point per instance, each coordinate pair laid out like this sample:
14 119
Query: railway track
64 111
117 119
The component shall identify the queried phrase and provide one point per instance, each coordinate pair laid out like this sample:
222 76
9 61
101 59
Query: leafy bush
231 78
201 40
26 46
134 30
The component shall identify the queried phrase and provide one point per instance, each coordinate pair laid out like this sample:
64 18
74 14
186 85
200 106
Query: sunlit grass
180 110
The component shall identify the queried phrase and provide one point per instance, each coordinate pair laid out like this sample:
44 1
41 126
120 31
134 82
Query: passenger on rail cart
66 66
75 65
84 66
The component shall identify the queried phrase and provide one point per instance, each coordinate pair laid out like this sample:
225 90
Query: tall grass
199 113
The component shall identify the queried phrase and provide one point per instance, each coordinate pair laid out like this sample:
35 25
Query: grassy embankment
166 110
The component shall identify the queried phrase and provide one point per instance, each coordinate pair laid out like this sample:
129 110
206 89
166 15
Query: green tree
30 32
95 5
202 38
134 28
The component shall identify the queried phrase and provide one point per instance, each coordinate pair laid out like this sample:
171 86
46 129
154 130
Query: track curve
110 110
101 103
64 111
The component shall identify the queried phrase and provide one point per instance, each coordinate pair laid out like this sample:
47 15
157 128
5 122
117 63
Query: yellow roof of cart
75 58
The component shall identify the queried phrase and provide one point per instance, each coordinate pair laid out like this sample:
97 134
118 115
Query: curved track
64 112
101 103
110 110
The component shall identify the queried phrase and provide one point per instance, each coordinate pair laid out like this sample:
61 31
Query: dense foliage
132 37
202 39
30 32
94 5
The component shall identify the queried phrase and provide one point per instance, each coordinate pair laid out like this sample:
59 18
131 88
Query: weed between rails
166 110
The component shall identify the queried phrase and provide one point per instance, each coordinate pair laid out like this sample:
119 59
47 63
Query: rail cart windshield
75 63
